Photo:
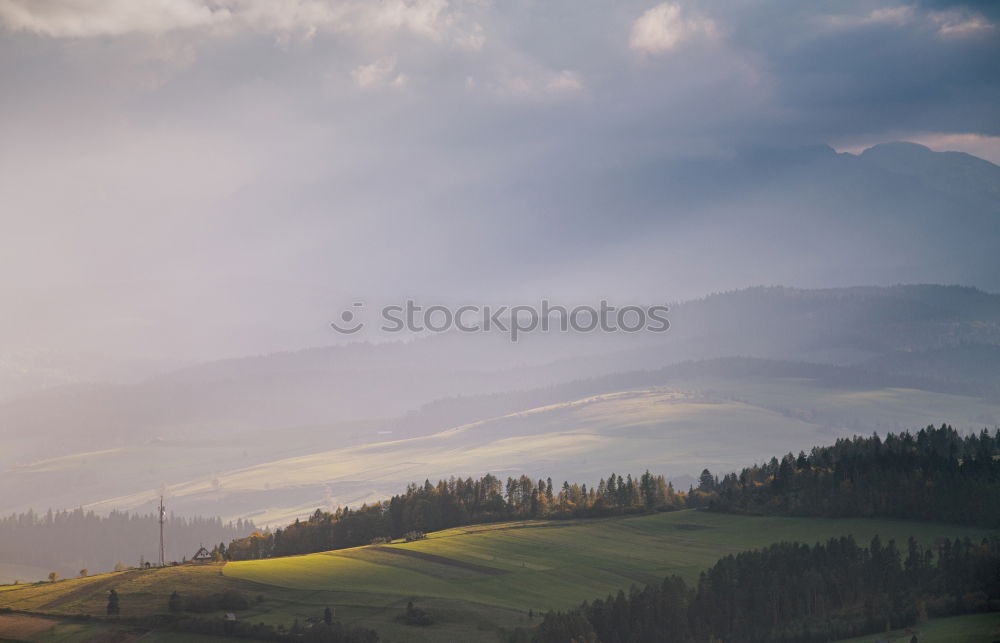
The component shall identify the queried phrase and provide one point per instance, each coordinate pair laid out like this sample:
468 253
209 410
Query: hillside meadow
476 581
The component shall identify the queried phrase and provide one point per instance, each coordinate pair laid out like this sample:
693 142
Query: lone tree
706 481
113 607
84 572
53 577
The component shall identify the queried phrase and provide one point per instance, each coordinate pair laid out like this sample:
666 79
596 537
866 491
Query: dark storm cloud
906 68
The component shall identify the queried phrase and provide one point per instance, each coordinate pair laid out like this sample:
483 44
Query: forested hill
795 593
451 503
936 475
67 542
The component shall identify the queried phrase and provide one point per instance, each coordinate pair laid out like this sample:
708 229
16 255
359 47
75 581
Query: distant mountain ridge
955 172
239 432
895 213
892 330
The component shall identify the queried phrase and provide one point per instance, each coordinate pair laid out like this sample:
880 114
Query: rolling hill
475 581
715 422
328 385
740 376
717 415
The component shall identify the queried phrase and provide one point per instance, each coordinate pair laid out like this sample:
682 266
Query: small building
202 556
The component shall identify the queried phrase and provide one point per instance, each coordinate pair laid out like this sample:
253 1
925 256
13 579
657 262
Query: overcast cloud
206 178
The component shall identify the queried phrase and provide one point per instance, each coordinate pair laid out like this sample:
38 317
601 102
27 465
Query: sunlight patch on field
542 565
69 461
718 423
474 579
660 429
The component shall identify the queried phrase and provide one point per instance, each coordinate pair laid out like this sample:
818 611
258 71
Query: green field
475 581
975 628
553 564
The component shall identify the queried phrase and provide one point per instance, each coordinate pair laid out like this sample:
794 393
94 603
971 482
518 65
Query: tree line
71 541
793 593
454 502
935 475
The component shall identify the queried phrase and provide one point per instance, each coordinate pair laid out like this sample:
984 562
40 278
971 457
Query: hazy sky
200 178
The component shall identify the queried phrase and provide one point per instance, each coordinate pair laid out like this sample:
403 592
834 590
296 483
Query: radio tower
162 514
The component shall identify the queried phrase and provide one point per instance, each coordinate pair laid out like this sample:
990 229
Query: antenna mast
162 514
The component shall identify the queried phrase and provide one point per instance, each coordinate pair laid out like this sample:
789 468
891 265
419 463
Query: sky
196 179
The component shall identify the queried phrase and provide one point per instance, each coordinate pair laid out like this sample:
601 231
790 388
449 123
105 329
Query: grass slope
542 565
474 580
973 628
